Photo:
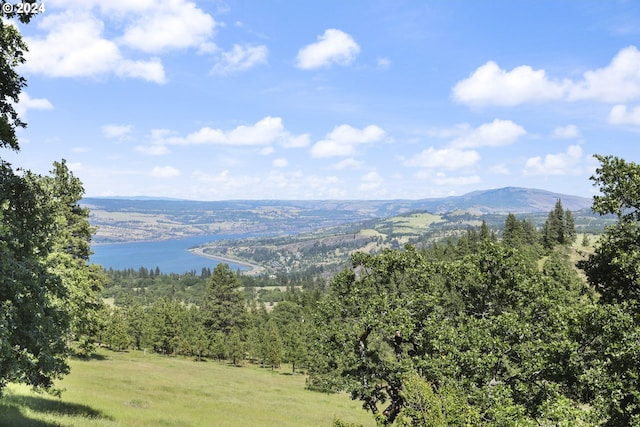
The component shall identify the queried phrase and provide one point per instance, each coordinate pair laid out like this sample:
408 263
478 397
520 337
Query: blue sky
269 99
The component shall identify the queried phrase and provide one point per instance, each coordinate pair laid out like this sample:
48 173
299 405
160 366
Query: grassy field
134 389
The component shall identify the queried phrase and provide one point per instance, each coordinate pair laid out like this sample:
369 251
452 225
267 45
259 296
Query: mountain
505 200
131 219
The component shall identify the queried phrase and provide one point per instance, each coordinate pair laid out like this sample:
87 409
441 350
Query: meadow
135 389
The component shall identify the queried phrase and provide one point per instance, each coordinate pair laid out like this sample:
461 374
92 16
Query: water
171 256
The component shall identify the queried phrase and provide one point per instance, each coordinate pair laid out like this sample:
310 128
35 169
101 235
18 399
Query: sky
347 99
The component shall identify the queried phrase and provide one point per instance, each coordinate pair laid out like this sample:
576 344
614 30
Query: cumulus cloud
116 131
333 47
489 84
349 163
446 158
566 132
494 134
280 163
617 82
167 25
26 103
567 163
443 179
73 42
263 133
240 58
164 172
619 115
74 46
371 181
343 140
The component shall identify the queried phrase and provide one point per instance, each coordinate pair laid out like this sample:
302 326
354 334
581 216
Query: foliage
70 256
12 50
223 307
611 332
484 330
34 319
559 228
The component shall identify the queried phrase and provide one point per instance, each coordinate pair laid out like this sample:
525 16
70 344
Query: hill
134 219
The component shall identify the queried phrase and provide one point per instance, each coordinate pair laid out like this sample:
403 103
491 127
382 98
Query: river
171 256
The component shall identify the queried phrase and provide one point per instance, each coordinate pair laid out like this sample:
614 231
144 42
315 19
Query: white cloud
240 58
296 141
153 149
280 163
442 179
332 47
617 82
371 181
164 172
500 169
263 133
494 134
619 115
25 103
349 163
74 46
342 141
383 63
116 131
446 158
166 25
490 85
566 132
567 163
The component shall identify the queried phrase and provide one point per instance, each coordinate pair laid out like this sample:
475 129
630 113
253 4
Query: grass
134 389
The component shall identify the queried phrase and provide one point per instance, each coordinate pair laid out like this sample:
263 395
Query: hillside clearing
138 390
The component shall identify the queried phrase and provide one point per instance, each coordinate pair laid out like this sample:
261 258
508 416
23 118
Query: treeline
222 323
147 285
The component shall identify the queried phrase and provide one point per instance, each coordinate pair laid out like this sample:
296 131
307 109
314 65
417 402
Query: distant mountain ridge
507 200
495 201
144 218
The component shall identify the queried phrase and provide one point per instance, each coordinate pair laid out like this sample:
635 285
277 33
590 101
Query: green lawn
134 389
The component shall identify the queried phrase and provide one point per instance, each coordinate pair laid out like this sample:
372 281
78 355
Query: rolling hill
132 219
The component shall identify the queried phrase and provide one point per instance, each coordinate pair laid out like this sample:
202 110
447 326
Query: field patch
140 390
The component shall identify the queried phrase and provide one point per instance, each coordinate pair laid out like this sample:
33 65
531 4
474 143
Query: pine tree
223 307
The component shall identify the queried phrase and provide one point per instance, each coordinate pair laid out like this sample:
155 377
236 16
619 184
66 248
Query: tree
559 228
116 335
272 344
610 334
34 320
235 347
34 315
223 307
12 50
485 330
70 255
289 319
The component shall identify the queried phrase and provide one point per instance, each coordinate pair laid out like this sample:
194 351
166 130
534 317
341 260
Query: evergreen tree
70 256
235 346
223 307
116 335
272 342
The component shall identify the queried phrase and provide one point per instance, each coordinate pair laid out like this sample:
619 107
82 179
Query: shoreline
253 268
